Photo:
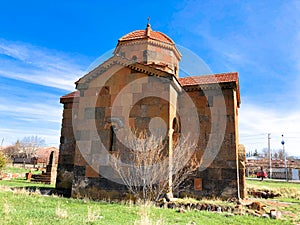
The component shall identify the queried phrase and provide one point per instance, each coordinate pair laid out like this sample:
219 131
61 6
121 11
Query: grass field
20 206
23 183
18 169
290 192
272 184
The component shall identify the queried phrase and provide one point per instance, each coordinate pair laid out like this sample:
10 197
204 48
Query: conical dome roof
147 33
150 47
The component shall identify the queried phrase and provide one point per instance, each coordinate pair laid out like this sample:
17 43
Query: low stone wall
9 176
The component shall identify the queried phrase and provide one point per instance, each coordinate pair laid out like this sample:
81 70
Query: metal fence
276 173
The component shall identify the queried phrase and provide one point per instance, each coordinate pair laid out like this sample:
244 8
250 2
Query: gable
114 65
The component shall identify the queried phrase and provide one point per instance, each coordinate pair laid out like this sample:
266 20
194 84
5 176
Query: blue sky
45 46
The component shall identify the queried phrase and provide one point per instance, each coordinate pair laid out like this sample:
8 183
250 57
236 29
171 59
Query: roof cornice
147 40
83 82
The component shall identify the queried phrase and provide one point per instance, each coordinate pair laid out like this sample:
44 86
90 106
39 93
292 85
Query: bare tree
144 165
29 145
275 155
265 153
10 151
280 153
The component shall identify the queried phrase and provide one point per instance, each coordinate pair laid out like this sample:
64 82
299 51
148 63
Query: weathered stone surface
114 89
229 174
79 171
215 174
91 172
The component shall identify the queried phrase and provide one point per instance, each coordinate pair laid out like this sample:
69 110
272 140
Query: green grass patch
14 169
21 207
272 184
10 169
291 200
290 192
23 183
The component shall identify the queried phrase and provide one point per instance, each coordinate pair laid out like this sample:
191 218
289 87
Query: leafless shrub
149 168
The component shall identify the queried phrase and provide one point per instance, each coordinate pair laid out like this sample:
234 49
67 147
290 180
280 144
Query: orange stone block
90 172
197 184
132 122
103 100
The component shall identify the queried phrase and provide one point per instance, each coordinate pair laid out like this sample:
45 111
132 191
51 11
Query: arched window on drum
176 130
112 138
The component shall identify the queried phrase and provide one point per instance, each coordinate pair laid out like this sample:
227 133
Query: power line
252 135
270 155
252 138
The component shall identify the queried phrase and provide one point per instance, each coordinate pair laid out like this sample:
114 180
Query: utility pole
284 155
270 155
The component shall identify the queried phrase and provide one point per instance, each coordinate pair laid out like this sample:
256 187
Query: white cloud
26 117
259 40
38 65
10 136
33 112
256 122
26 108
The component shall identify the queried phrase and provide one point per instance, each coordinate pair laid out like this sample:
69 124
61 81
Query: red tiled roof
147 33
71 95
209 79
190 81
212 79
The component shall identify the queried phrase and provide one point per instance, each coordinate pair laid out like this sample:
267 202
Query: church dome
150 47
147 33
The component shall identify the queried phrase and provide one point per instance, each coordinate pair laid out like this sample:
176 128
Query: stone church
139 88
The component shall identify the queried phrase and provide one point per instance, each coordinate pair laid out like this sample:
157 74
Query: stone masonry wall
67 148
220 177
125 100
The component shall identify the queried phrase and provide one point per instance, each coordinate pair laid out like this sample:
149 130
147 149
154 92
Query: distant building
43 154
254 163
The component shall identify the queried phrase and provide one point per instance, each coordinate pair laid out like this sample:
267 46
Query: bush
2 161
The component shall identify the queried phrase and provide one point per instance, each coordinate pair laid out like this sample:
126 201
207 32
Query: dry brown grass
93 215
6 208
61 213
145 217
